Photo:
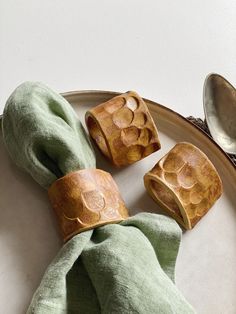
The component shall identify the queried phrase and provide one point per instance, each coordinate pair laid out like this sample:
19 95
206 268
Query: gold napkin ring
123 129
86 199
185 183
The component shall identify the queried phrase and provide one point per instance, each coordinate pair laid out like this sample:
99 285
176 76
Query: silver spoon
219 101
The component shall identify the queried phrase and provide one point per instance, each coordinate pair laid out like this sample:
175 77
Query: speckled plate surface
29 239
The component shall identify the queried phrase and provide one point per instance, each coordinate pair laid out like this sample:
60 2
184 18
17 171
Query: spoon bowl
219 101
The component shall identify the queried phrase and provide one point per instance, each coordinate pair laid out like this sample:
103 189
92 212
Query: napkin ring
86 199
185 183
123 129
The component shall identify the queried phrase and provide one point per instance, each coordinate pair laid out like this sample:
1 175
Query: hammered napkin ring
84 200
184 183
123 129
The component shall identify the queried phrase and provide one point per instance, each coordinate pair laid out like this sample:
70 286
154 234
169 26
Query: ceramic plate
29 240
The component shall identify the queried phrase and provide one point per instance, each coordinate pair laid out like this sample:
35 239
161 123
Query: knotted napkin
118 268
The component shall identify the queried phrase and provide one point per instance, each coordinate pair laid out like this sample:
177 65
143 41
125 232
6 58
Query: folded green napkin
122 268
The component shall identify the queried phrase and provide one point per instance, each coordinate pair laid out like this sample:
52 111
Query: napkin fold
43 134
119 268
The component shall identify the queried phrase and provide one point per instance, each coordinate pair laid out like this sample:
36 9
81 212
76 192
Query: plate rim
224 157
154 103
74 93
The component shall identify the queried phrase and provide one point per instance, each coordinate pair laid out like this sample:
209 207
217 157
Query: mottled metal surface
219 99
203 126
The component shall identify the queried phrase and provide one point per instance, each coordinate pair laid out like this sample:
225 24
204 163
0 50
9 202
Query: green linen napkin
122 268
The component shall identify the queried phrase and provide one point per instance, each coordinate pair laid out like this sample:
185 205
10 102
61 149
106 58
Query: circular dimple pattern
150 149
140 119
132 103
117 144
190 191
184 195
74 193
171 178
135 153
196 194
110 213
93 200
130 135
192 209
145 136
127 128
115 104
123 117
186 176
202 206
192 179
173 162
197 209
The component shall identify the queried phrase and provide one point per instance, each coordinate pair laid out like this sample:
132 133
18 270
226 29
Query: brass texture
123 129
86 199
185 183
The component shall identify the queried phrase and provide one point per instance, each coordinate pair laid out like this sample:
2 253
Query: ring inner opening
97 136
163 194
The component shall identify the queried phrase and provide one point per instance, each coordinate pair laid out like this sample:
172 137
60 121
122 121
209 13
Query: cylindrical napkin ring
86 199
185 183
123 129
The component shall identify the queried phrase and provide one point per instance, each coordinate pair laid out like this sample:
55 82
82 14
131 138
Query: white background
161 49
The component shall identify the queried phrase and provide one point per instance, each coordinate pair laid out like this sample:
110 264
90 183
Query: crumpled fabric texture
43 135
118 268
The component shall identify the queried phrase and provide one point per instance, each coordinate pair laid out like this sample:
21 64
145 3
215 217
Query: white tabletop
161 49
